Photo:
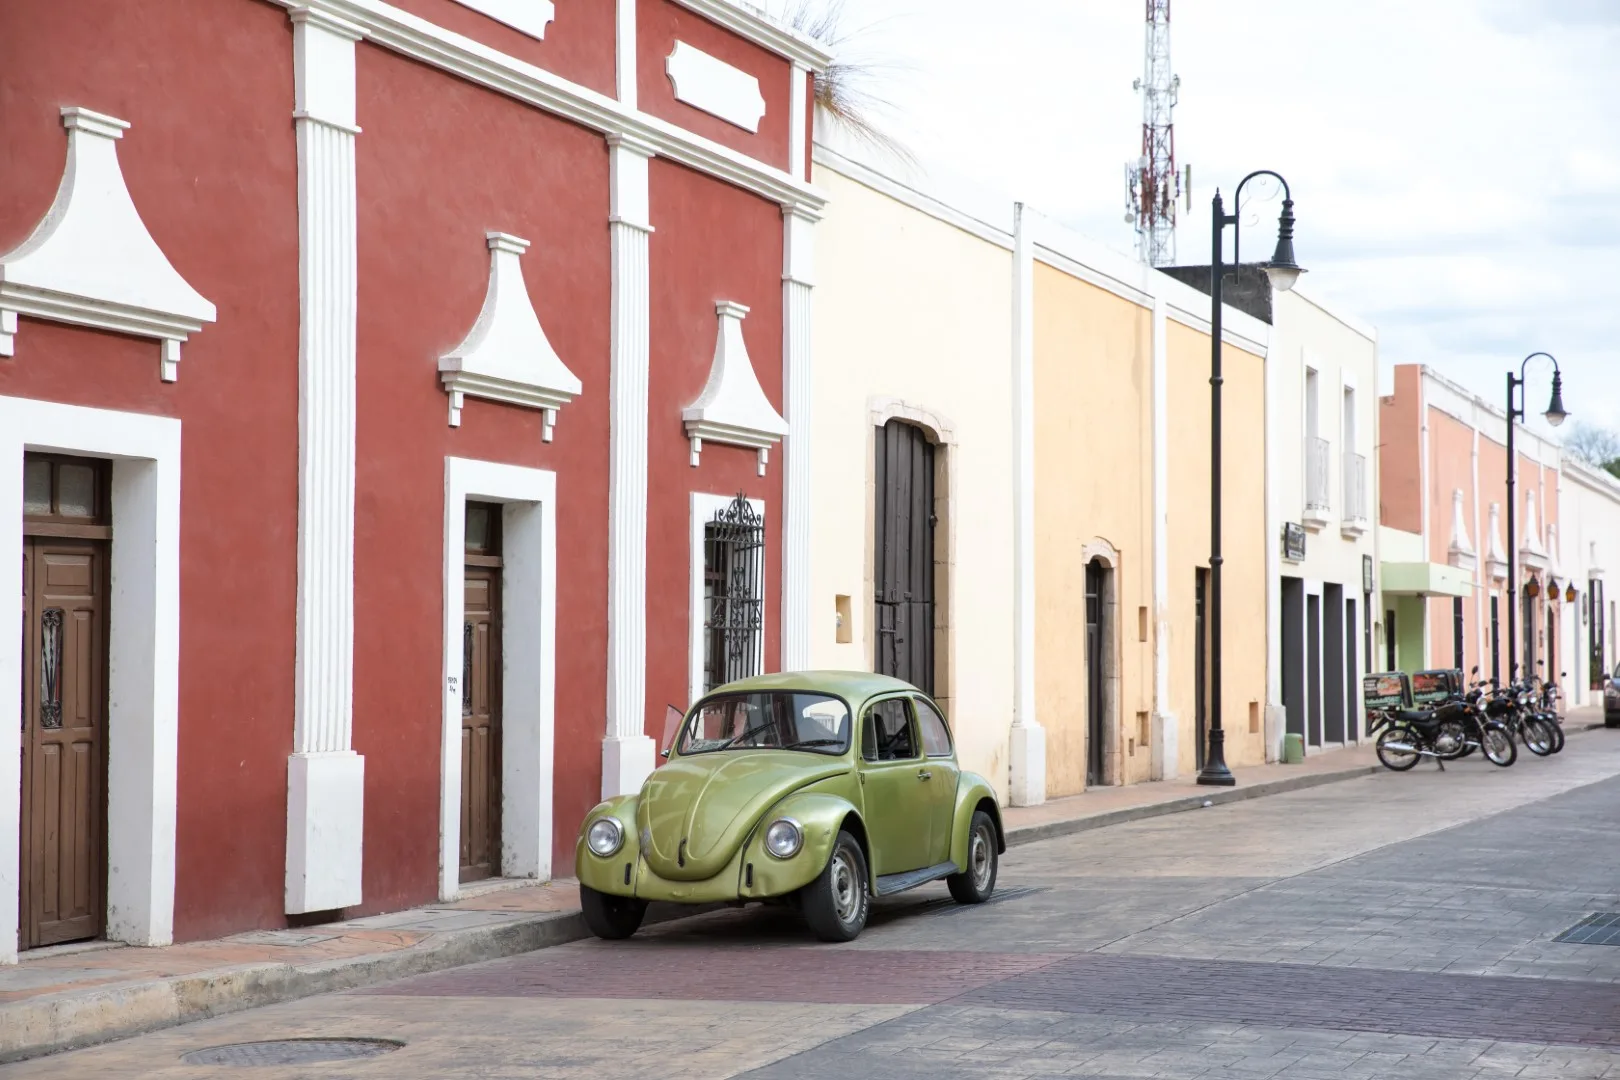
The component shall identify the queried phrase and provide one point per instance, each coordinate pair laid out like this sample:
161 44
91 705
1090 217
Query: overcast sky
1455 163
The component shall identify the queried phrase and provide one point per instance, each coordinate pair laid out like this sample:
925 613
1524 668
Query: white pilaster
628 754
798 260
1166 744
325 779
1028 750
799 121
625 51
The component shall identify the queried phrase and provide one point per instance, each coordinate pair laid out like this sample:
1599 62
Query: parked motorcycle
1449 726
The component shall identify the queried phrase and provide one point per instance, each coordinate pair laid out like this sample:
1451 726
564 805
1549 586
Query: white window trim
143 685
528 663
704 506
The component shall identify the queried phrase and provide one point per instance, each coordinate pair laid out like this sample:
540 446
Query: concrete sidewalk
74 996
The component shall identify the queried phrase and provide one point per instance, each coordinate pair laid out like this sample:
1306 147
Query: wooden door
481 698
904 559
1096 704
64 733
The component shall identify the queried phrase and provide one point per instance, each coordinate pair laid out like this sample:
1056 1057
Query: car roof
854 687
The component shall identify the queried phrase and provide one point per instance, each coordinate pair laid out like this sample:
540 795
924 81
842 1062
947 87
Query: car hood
694 813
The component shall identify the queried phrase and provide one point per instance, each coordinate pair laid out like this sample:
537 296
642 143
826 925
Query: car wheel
835 905
1611 719
975 884
611 917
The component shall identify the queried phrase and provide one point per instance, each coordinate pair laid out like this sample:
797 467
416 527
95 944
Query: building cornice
748 22
399 31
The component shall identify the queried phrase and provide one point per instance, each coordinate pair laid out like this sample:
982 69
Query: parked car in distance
1611 699
819 790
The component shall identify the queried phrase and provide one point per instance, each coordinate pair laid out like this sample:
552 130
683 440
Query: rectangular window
1496 640
729 573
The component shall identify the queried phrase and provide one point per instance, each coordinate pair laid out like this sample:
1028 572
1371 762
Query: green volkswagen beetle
819 789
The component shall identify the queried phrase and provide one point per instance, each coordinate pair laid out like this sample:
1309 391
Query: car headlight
605 836
784 838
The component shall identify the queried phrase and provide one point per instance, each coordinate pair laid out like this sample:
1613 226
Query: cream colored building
1056 394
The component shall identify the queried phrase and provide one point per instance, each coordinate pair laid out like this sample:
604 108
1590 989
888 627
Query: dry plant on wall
848 92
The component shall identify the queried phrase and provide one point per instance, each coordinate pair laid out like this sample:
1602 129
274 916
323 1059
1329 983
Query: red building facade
379 382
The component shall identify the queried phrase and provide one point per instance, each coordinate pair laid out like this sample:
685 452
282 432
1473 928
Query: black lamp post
1555 415
1283 272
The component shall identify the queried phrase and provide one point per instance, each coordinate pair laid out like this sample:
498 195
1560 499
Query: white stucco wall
1589 542
1343 351
911 307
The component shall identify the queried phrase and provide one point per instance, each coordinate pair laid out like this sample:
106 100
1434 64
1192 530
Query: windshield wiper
812 742
766 726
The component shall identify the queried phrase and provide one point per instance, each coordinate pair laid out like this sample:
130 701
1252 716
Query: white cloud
1455 163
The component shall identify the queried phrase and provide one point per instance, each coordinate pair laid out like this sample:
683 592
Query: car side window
886 732
936 739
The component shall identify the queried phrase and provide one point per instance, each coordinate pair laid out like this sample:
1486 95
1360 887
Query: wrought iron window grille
50 668
733 590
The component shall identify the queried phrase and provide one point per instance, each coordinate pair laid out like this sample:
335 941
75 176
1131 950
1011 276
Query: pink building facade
1443 508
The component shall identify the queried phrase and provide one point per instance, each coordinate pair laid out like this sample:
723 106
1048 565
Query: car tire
1611 719
836 904
975 884
612 918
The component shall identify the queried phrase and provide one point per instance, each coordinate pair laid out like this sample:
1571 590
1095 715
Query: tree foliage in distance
1596 446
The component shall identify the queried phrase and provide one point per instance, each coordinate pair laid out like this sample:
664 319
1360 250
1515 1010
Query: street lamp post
1283 271
1555 415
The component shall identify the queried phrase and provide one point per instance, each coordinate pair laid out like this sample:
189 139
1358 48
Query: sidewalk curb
71 1020
1029 834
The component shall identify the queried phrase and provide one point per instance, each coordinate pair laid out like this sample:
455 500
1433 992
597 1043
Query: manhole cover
290 1052
1601 928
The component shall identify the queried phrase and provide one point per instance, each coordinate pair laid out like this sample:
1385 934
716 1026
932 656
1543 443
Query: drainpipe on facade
1166 750
1276 718
1028 738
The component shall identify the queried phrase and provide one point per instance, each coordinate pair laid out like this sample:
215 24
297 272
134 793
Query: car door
895 799
939 783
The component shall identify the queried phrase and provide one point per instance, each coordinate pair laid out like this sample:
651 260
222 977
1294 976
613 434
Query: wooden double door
64 740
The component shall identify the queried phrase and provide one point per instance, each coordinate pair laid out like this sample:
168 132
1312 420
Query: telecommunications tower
1152 182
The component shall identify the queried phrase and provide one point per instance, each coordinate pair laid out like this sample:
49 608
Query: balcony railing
1316 477
1355 489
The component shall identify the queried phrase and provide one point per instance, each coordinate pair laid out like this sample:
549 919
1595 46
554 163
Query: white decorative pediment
1495 559
506 356
1532 555
1555 565
708 83
732 408
1461 552
91 261
530 16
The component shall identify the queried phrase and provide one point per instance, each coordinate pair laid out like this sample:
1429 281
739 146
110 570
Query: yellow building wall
1243 538
1093 482
912 309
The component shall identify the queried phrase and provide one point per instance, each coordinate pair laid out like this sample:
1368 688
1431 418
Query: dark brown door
904 601
481 698
1096 718
64 731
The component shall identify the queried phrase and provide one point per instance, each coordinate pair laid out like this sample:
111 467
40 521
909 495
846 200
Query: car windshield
783 720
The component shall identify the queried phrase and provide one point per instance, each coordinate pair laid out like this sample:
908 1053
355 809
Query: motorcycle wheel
1537 739
1497 743
1557 731
1395 760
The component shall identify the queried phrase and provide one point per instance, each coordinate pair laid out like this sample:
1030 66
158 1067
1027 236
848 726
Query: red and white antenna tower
1153 183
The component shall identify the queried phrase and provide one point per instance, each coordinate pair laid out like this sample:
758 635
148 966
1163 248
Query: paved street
1396 926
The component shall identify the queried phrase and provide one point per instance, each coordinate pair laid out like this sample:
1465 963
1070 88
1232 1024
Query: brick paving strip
1133 988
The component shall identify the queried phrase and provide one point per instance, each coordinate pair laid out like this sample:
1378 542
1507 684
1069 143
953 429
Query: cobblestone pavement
1398 926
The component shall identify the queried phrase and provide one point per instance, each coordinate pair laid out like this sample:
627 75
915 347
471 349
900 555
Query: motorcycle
1449 726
